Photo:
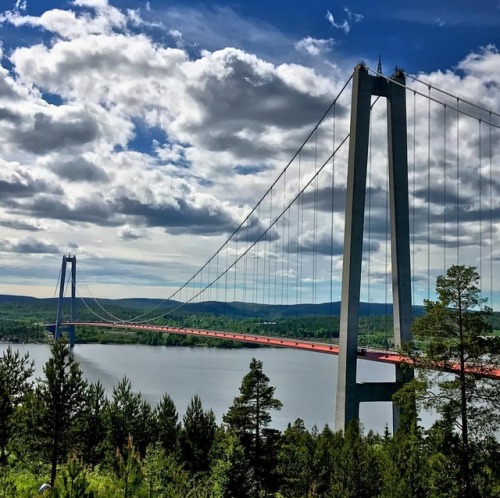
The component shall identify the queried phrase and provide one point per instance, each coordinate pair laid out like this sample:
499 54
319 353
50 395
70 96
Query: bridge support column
62 284
350 393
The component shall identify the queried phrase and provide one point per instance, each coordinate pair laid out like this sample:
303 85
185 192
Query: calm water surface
305 381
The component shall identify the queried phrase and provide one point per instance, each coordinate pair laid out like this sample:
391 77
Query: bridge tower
58 328
351 393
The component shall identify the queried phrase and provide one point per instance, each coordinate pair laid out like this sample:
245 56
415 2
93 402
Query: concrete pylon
62 284
350 393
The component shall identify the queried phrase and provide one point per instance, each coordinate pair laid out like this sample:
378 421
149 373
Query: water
305 381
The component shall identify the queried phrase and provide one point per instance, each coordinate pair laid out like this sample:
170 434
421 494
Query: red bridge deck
282 342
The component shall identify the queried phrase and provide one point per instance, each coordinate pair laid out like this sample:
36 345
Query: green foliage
8 486
125 448
58 404
128 416
73 482
250 415
404 459
230 474
296 461
93 424
15 384
197 436
168 427
453 333
355 473
129 469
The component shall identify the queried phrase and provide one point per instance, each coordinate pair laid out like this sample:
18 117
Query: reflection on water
305 381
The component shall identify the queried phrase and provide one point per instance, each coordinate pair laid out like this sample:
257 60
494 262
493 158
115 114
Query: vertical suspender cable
369 217
265 260
387 235
315 221
257 262
217 285
414 193
269 257
225 280
274 245
288 250
480 182
491 213
245 270
235 269
283 250
301 248
332 209
458 182
299 243
429 194
445 193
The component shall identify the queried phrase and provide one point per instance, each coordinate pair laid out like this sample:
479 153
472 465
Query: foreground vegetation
64 437
63 432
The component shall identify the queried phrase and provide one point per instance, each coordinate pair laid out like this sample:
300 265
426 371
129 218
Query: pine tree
60 398
249 416
129 469
454 332
74 482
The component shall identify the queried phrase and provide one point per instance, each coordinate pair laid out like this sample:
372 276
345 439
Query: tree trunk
55 451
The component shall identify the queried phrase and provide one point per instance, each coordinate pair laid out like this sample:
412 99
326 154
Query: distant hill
234 309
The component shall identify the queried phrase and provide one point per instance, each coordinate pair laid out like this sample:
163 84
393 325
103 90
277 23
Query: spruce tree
168 426
93 426
197 436
15 374
295 461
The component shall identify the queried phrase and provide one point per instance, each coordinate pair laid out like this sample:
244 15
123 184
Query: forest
65 433
62 436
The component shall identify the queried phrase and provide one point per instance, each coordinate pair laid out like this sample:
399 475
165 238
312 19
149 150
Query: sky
137 135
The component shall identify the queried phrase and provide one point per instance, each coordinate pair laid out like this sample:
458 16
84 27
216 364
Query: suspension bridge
375 203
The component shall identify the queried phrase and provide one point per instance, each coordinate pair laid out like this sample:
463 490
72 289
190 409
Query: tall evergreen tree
404 459
327 447
129 469
93 426
230 473
453 334
128 415
250 415
197 436
168 426
355 470
15 374
60 398
295 461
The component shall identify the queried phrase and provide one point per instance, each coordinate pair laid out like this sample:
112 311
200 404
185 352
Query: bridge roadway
370 354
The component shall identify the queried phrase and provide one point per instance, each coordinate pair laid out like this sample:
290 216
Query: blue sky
131 130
